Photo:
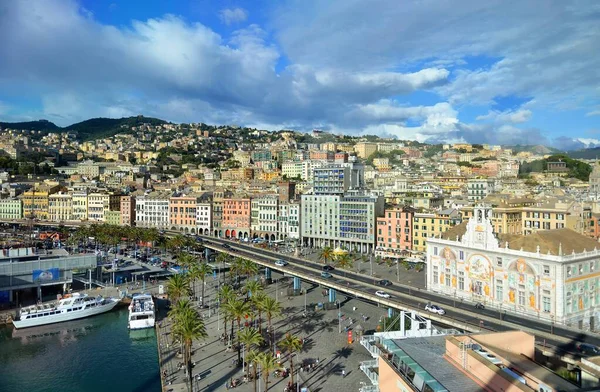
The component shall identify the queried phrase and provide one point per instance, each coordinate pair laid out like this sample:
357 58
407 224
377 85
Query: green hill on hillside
97 128
577 169
39 125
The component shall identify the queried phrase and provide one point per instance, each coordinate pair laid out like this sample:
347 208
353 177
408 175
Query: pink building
394 231
236 218
127 208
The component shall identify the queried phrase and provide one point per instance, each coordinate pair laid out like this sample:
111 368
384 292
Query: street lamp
339 318
305 301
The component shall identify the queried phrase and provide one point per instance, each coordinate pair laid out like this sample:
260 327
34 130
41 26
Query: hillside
586 153
39 125
96 128
577 169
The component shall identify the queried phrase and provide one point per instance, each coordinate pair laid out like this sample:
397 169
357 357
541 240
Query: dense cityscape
307 196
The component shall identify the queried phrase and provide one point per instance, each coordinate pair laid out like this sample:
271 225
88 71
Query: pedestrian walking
343 373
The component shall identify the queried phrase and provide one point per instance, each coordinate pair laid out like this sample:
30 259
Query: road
562 338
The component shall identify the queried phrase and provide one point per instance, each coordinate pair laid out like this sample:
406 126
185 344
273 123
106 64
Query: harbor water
90 355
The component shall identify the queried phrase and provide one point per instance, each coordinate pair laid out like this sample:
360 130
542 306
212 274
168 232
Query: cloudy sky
494 71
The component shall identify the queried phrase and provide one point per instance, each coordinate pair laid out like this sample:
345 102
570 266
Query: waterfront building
98 203
331 180
340 221
219 196
60 207
35 201
182 213
204 214
127 209
79 203
11 209
264 210
394 232
152 210
23 270
550 274
112 217
236 217
288 221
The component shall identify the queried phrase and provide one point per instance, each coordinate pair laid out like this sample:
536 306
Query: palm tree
326 254
272 309
238 309
268 363
201 271
258 301
237 267
250 338
291 344
344 261
223 258
253 358
189 327
178 287
249 268
180 308
252 288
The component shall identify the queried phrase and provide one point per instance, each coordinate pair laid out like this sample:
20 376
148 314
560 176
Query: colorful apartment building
429 225
394 232
127 209
236 217
35 201
182 213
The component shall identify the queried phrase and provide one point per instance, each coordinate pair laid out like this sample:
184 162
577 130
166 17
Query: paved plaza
214 365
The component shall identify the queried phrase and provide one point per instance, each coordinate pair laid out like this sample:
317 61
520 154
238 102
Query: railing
369 388
368 342
367 366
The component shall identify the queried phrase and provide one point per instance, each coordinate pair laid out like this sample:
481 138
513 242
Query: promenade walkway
214 366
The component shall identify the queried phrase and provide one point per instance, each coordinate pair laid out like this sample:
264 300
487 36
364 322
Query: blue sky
500 71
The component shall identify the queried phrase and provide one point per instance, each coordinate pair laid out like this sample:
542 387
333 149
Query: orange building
182 213
317 155
394 231
236 217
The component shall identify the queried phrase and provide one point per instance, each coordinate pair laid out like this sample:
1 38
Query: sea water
89 355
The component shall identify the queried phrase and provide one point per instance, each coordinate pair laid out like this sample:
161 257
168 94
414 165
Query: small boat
74 307
141 312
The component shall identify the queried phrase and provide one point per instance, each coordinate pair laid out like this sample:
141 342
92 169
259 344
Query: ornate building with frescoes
551 274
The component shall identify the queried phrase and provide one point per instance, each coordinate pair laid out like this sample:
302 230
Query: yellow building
365 150
556 214
35 201
507 213
60 207
429 225
345 147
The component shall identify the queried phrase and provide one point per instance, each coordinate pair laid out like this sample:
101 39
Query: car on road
226 246
281 263
382 294
435 309
586 348
326 275
384 282
328 268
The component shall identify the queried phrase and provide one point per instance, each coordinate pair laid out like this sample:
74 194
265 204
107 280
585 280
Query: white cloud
231 16
509 116
593 113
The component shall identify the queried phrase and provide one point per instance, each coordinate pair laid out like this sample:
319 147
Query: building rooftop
556 242
429 353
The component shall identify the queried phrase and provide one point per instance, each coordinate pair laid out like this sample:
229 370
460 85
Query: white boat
141 312
73 307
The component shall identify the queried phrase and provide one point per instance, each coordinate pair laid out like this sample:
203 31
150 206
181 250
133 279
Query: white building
80 205
263 216
289 221
551 274
340 221
204 217
60 207
479 188
152 210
